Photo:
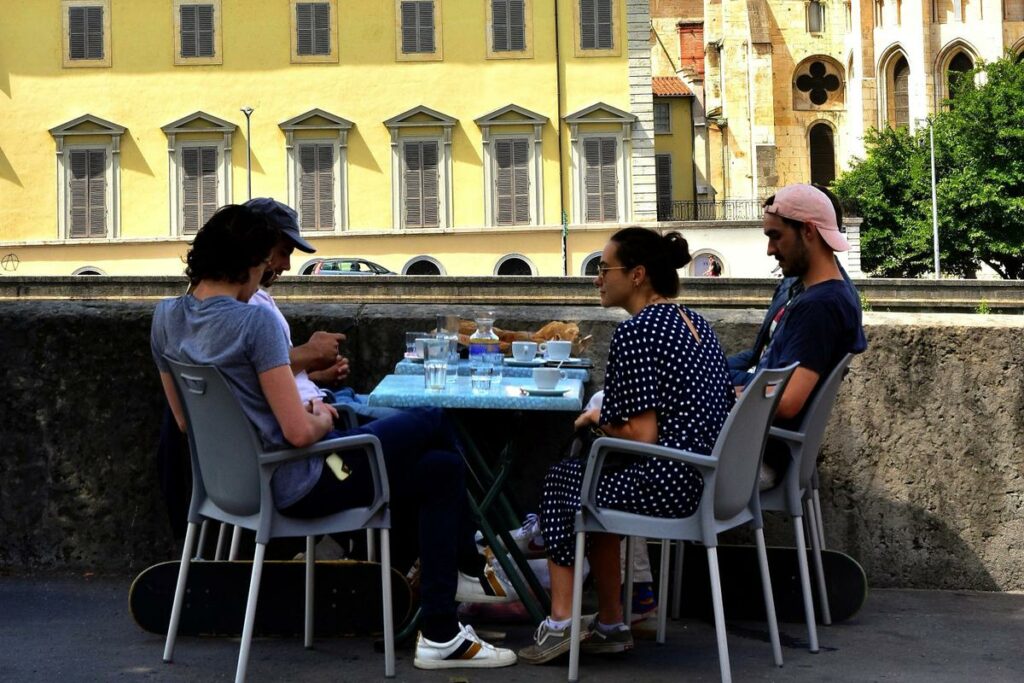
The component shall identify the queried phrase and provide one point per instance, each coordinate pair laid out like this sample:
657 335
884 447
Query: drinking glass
483 376
435 364
494 361
410 344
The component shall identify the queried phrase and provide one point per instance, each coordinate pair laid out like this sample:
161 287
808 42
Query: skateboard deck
347 598
845 583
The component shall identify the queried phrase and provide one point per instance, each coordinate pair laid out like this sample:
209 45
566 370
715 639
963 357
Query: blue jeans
429 508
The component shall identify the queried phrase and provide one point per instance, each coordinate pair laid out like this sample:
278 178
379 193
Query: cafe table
510 368
489 502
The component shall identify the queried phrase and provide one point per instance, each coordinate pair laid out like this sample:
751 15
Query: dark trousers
429 510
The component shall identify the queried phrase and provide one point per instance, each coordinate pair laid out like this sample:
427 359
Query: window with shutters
511 181
197 32
314 31
508 28
596 26
662 117
86 33
316 186
87 193
600 181
420 184
418 30
198 196
663 182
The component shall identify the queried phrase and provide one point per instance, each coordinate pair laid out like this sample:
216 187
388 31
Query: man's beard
269 278
798 262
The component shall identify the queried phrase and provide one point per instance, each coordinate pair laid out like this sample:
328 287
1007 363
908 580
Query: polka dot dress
654 363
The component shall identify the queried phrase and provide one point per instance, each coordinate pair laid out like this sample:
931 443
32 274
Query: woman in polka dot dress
667 383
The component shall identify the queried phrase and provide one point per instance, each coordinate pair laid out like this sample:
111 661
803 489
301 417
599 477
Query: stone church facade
785 89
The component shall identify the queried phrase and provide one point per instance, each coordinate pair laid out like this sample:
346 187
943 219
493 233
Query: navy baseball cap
283 217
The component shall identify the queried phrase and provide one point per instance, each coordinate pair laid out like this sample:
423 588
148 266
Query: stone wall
921 472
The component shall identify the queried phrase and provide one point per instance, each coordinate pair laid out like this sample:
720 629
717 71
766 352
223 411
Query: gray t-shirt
242 342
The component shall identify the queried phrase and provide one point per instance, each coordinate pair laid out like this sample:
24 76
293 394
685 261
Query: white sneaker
493 587
527 537
465 650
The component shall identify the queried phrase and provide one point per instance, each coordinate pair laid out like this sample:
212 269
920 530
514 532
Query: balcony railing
705 210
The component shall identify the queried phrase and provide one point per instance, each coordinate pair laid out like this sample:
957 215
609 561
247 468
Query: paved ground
73 628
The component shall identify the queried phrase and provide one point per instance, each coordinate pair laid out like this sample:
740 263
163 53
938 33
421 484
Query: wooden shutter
603 27
87 193
508 19
198 186
421 185
304 28
588 21
196 30
322 28
512 181
316 187
417 26
85 32
663 181
600 180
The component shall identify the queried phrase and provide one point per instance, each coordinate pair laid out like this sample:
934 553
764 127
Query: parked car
345 266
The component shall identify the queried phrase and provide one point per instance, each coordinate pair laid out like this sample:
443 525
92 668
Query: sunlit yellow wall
678 143
143 90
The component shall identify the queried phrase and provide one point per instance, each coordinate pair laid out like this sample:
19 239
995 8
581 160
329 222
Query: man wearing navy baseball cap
317 359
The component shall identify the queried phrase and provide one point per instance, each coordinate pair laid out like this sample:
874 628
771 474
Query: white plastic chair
231 484
729 500
799 490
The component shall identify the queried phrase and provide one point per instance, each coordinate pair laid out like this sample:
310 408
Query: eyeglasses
603 270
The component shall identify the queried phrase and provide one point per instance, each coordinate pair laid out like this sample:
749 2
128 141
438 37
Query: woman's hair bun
677 250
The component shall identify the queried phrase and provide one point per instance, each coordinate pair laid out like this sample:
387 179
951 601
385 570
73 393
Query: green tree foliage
979 158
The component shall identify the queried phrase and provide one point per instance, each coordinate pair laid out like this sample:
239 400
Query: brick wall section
691 48
641 104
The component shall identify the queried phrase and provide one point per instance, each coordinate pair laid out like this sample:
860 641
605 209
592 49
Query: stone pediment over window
87 124
600 113
422 117
511 115
317 120
818 85
199 122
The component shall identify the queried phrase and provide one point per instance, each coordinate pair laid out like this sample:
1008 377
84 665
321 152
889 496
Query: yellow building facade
447 132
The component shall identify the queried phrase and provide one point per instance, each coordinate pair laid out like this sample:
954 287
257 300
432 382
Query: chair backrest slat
816 419
742 440
224 445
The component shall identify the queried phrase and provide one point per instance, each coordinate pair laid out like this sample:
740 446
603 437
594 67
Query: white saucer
536 362
537 391
567 361
414 359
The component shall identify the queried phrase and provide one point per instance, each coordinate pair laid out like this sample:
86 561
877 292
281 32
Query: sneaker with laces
527 537
491 587
607 642
550 643
465 651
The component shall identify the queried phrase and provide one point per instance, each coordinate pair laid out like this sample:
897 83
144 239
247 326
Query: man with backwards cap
815 316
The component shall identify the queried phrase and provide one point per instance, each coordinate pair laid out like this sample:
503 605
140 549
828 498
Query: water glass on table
435 364
482 378
494 360
412 349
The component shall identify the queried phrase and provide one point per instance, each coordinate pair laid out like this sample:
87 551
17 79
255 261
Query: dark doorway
823 154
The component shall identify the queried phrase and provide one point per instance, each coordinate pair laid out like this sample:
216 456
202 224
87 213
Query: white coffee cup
556 350
524 351
547 378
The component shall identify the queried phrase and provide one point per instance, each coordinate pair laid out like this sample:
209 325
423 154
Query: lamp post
935 203
248 149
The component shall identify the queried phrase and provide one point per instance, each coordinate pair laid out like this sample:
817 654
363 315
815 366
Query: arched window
815 16
514 264
706 264
821 141
898 100
88 270
423 265
590 264
958 66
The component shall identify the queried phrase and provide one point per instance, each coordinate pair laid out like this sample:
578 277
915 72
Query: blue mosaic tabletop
510 368
407 391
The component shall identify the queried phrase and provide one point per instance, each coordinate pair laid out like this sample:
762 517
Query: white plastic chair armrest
320 447
607 445
786 435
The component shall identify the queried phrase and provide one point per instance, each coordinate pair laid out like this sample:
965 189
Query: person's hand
739 391
323 414
332 376
587 418
323 349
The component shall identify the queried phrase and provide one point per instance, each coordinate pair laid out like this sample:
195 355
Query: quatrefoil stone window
818 83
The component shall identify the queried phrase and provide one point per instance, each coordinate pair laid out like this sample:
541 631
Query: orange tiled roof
669 86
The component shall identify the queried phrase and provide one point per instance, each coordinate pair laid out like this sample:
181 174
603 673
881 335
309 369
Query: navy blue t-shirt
817 328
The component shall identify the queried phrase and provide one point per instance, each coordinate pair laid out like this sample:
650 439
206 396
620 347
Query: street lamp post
935 203
248 149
